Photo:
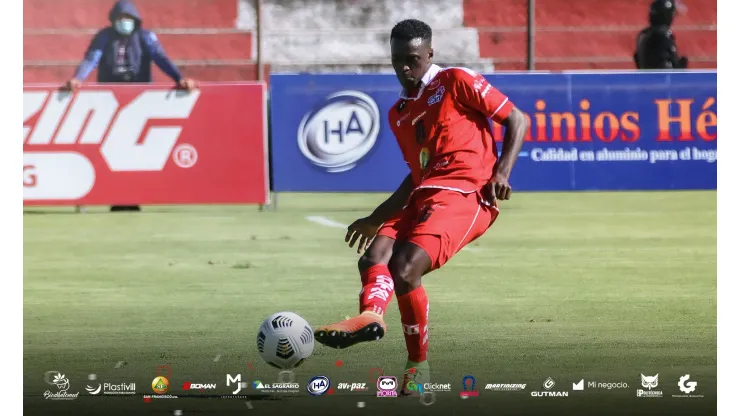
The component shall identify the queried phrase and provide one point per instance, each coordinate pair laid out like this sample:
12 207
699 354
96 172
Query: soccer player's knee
365 262
370 259
402 271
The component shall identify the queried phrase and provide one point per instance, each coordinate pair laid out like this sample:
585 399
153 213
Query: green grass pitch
594 286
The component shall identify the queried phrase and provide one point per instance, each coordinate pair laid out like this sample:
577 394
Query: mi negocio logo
342 130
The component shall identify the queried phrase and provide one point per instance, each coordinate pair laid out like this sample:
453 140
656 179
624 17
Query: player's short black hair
410 29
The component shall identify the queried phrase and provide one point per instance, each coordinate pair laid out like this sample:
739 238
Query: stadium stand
214 40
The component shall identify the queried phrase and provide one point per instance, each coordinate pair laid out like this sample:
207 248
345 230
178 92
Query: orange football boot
367 326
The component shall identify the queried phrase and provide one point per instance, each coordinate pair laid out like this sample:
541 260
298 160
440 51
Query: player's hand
499 187
72 85
363 230
187 84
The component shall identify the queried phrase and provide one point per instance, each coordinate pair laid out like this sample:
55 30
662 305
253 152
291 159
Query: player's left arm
473 91
516 128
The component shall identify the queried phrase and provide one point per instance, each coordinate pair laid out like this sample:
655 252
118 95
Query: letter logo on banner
342 130
143 145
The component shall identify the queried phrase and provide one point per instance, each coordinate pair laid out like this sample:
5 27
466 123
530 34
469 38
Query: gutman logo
677 120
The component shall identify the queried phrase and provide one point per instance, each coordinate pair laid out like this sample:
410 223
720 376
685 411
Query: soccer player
441 123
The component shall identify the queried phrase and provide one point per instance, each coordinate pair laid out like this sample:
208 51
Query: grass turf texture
594 286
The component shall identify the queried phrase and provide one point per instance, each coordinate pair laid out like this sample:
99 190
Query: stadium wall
214 40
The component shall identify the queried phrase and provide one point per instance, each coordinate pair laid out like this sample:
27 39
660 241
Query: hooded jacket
142 47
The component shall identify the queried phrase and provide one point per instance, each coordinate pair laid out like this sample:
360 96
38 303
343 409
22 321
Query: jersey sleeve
473 91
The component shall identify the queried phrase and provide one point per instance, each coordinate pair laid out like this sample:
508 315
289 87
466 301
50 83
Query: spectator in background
123 52
656 44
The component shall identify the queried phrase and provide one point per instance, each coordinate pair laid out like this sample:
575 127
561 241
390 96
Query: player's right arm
365 228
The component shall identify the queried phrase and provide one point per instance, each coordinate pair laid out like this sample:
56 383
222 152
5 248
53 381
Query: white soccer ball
285 340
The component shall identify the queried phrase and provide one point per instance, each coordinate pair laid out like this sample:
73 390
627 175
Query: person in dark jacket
656 44
124 52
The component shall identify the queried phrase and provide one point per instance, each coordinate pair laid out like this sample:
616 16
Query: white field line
327 222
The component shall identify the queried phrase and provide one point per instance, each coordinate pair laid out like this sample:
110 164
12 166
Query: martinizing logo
61 382
506 387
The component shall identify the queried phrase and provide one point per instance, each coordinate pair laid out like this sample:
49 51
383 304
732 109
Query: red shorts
441 222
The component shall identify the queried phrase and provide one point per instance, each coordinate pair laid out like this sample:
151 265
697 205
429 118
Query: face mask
125 26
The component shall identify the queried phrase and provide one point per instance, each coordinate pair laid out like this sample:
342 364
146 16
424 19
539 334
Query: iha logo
58 127
468 385
387 386
340 131
318 385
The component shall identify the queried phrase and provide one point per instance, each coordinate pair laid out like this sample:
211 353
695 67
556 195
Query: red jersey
443 130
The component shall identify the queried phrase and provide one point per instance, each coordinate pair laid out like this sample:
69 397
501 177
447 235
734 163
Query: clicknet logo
340 131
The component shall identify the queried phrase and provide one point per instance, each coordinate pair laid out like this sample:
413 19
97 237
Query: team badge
437 97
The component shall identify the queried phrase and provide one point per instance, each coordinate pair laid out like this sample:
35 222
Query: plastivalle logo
339 132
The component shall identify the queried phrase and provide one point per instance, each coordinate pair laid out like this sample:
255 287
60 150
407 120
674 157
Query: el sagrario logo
62 131
61 387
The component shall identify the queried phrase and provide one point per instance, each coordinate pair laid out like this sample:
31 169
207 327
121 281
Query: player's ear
431 53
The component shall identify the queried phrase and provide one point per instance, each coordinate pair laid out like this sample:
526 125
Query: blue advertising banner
589 131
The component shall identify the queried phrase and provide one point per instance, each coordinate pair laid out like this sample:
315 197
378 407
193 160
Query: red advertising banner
145 144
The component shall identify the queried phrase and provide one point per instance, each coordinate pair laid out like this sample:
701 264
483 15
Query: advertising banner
144 144
589 131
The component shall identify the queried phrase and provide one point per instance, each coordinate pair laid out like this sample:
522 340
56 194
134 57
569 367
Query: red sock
377 289
414 308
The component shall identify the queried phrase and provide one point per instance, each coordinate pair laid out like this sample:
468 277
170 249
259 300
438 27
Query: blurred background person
656 44
124 52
